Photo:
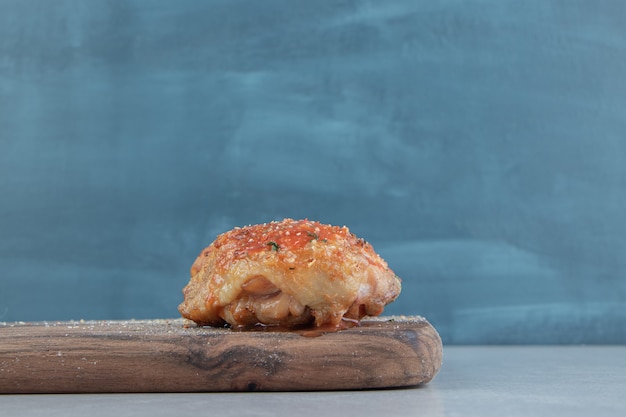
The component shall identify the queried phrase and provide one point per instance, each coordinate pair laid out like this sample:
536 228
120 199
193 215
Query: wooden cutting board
173 356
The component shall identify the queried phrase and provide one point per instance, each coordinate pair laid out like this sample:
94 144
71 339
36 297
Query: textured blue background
480 146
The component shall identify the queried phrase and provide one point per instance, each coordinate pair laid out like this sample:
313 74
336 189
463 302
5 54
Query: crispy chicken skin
288 273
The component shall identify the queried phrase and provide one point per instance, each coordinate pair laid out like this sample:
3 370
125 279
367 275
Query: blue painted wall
479 146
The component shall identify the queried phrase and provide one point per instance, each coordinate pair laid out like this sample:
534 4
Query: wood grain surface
171 356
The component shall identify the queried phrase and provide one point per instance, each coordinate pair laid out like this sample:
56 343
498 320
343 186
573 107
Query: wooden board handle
171 356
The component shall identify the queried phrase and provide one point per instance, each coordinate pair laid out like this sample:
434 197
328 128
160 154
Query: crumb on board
174 323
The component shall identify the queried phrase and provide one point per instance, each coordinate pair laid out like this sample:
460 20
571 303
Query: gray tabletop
481 381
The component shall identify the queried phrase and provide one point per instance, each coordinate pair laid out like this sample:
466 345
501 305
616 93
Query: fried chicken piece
288 273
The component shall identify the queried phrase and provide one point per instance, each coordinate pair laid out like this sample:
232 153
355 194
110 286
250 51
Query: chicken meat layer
288 273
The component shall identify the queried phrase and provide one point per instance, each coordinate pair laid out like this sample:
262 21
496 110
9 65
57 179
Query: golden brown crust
287 273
